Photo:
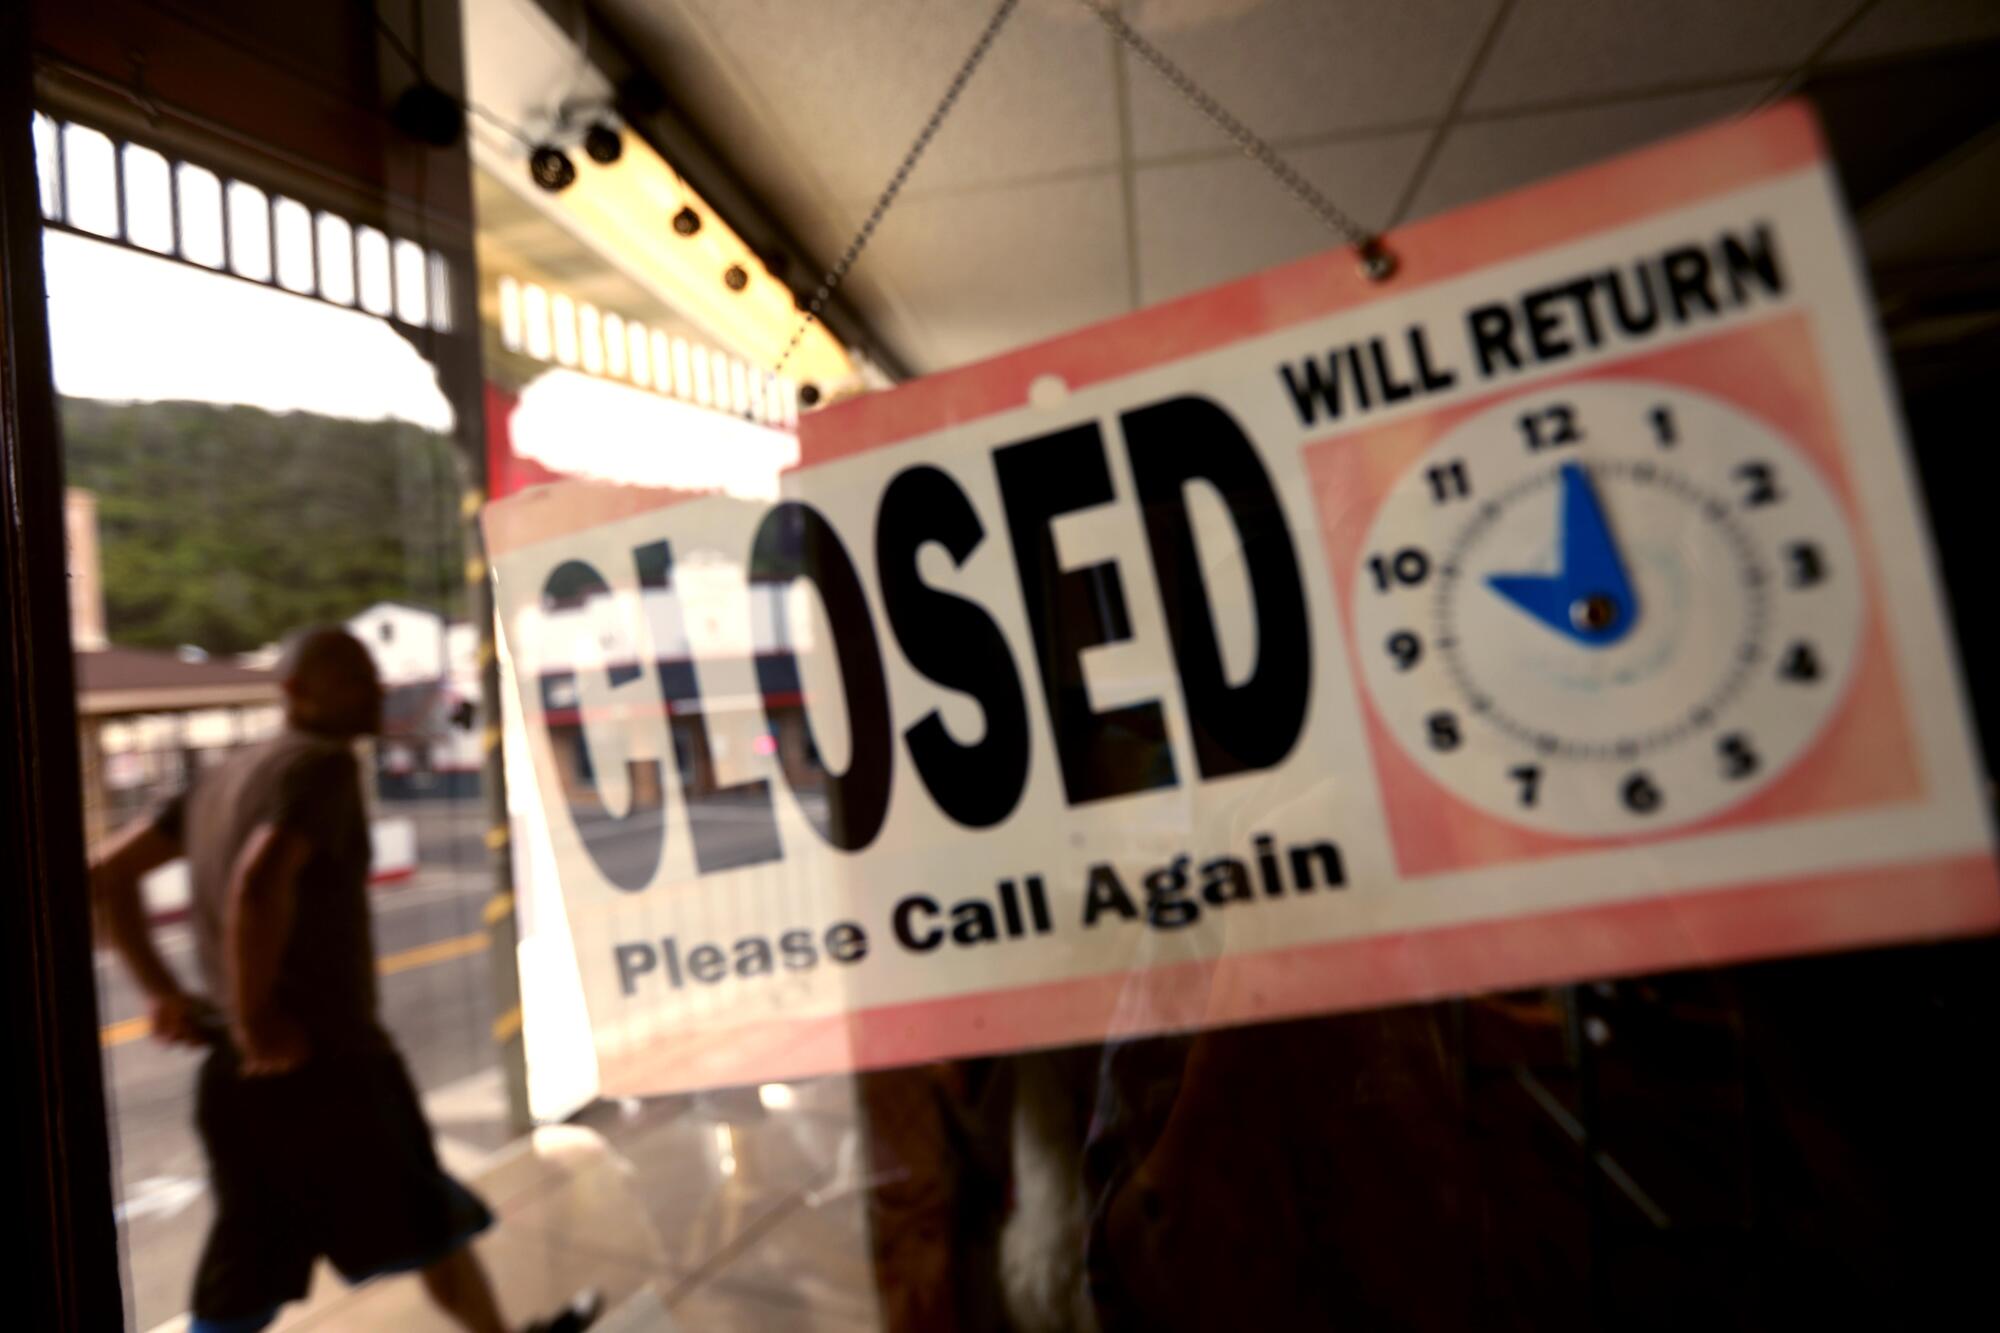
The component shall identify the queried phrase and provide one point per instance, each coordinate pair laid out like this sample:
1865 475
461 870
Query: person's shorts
334 1159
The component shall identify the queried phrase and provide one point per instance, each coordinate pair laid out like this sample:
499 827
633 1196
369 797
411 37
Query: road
435 997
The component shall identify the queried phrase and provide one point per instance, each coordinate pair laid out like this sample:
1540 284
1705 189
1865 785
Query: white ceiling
1072 185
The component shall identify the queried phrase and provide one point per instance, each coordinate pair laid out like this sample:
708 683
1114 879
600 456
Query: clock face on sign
1607 608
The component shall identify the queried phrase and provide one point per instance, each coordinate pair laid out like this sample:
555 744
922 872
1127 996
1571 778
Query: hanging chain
839 270
1376 262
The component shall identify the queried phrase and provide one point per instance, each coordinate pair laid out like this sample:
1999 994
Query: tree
228 527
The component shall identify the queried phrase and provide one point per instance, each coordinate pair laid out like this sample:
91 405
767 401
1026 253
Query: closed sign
1559 607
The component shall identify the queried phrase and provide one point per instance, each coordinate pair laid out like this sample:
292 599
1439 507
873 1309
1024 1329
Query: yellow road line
130 1029
438 951
441 951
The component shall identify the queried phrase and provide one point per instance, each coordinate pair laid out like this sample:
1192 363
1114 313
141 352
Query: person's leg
257 1257
458 1284
395 1210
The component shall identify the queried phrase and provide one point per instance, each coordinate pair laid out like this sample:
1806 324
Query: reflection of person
316 1142
936 1139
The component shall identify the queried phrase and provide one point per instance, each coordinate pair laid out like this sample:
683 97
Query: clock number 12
1550 427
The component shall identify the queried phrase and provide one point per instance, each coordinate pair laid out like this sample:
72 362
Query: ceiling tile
1485 157
991 270
1553 50
1292 69
1899 27
850 83
1201 223
725 106
889 318
795 97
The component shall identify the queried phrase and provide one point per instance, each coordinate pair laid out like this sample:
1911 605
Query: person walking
315 1138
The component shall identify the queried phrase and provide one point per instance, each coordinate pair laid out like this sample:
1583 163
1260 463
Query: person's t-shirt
309 785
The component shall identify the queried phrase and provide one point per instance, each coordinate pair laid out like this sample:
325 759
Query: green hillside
228 527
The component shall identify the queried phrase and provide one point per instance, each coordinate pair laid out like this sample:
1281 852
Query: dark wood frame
55 1160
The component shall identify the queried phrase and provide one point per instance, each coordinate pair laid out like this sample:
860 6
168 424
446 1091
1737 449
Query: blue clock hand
1591 562
1590 600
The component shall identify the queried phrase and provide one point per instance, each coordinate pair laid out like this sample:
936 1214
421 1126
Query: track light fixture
734 278
587 124
686 222
603 142
551 168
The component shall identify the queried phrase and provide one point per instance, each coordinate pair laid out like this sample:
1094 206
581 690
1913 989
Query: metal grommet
1377 264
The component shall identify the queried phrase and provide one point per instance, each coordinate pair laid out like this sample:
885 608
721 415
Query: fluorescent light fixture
589 427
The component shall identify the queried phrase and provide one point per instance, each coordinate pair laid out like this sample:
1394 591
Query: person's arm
263 899
121 912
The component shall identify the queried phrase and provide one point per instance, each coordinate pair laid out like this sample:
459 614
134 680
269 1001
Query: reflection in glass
614 345
637 341
667 378
249 230
293 241
336 259
371 254
562 311
200 193
439 272
535 317
412 297
48 165
591 331
704 391
149 208
510 314
90 180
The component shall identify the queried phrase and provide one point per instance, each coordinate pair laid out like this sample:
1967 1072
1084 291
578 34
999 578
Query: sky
130 327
